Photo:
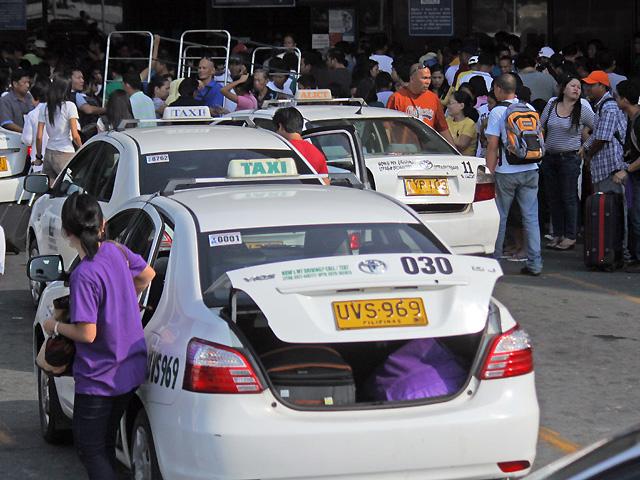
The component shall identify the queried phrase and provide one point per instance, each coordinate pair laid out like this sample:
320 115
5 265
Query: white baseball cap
546 52
473 60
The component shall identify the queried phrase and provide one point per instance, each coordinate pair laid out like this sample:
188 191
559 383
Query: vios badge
426 164
373 266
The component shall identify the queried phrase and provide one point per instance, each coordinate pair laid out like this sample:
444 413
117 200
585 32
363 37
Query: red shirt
311 153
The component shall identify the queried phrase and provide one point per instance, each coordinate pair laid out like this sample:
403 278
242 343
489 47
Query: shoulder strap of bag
551 109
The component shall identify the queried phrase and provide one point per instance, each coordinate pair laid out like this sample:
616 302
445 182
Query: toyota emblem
426 164
372 266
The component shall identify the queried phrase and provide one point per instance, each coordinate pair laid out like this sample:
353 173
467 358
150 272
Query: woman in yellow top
462 118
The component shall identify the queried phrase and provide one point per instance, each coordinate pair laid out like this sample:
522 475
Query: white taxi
120 165
13 165
256 286
407 159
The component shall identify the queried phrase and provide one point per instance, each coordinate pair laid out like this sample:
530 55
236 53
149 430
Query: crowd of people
588 109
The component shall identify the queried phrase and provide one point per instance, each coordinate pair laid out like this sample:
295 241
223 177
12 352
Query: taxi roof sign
262 167
195 112
319 94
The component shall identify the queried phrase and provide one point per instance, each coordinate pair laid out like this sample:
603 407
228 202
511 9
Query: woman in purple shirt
111 354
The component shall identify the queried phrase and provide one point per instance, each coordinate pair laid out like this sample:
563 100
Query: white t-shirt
497 128
3 248
385 62
286 88
483 115
30 130
383 97
60 132
450 74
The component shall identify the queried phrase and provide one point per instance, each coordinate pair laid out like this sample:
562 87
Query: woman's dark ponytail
82 217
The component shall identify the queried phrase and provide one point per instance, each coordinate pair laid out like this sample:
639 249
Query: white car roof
331 112
254 206
202 137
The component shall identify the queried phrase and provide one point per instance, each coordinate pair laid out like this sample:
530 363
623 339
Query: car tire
54 424
35 288
144 462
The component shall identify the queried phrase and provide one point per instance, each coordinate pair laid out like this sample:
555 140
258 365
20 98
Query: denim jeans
95 422
523 187
634 215
560 172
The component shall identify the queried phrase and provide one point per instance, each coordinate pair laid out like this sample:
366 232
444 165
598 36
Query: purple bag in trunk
420 369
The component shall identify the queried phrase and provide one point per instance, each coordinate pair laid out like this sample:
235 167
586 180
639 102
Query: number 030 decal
427 265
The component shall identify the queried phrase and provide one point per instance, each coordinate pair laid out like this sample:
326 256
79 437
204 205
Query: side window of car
104 173
265 123
160 265
140 237
77 175
117 226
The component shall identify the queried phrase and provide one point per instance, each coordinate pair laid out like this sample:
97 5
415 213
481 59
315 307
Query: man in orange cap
604 148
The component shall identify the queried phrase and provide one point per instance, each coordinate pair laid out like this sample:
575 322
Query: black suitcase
14 218
310 375
604 231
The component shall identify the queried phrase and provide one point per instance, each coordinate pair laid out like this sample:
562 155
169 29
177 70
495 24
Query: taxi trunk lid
366 298
422 179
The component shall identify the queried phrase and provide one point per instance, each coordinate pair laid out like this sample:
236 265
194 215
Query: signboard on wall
13 15
342 25
252 3
430 18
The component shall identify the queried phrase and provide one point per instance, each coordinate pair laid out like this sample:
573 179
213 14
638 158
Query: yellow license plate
4 166
426 186
390 312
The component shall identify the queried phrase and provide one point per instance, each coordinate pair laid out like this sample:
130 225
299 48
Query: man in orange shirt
417 100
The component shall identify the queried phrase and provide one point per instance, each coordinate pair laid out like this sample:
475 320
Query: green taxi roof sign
262 167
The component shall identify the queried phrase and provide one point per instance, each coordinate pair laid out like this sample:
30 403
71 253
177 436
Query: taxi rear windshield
223 251
157 168
392 136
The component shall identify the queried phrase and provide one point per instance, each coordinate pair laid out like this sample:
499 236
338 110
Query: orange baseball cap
597 76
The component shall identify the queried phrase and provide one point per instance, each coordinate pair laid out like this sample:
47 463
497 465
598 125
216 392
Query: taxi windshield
157 167
223 251
393 136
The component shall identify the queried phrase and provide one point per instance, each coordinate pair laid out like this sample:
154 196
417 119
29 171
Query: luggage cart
108 57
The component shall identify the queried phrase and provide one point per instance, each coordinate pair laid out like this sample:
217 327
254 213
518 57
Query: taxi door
342 148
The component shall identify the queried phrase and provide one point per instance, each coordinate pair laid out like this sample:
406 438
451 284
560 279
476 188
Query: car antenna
359 112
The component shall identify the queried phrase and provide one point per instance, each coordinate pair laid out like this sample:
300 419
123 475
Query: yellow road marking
593 286
556 440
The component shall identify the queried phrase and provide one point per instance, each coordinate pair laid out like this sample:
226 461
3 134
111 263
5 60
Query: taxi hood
297 297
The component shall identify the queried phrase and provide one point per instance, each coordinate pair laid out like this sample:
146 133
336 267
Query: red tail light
28 152
510 355
516 466
485 187
213 368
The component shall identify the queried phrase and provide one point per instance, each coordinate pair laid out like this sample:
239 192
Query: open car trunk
344 341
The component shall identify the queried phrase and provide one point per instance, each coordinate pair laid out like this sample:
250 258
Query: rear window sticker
222 239
160 158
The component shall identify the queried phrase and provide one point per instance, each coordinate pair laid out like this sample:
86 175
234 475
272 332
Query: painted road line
556 440
593 286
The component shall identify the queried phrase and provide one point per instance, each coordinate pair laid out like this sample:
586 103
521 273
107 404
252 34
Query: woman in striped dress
566 120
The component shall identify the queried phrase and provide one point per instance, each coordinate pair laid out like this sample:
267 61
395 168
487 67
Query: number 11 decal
467 167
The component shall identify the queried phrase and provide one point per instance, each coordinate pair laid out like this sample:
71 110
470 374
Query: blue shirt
210 95
609 126
496 127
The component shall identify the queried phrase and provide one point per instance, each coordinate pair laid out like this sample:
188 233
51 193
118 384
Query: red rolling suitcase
604 231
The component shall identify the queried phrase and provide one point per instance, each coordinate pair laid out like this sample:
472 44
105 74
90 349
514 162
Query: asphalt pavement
584 326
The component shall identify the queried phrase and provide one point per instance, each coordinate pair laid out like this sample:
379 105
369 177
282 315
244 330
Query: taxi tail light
28 152
516 466
213 368
510 355
485 187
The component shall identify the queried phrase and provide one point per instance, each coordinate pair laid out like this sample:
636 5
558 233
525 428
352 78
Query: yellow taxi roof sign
262 167
319 94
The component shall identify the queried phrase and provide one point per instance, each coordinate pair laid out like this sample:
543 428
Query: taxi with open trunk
305 331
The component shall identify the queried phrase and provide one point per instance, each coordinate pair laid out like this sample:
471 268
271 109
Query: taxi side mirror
46 268
36 183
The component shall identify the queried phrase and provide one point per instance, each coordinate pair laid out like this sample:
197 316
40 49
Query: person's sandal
565 244
553 243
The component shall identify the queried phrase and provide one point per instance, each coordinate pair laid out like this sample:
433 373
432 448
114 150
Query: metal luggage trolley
284 49
108 57
185 46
